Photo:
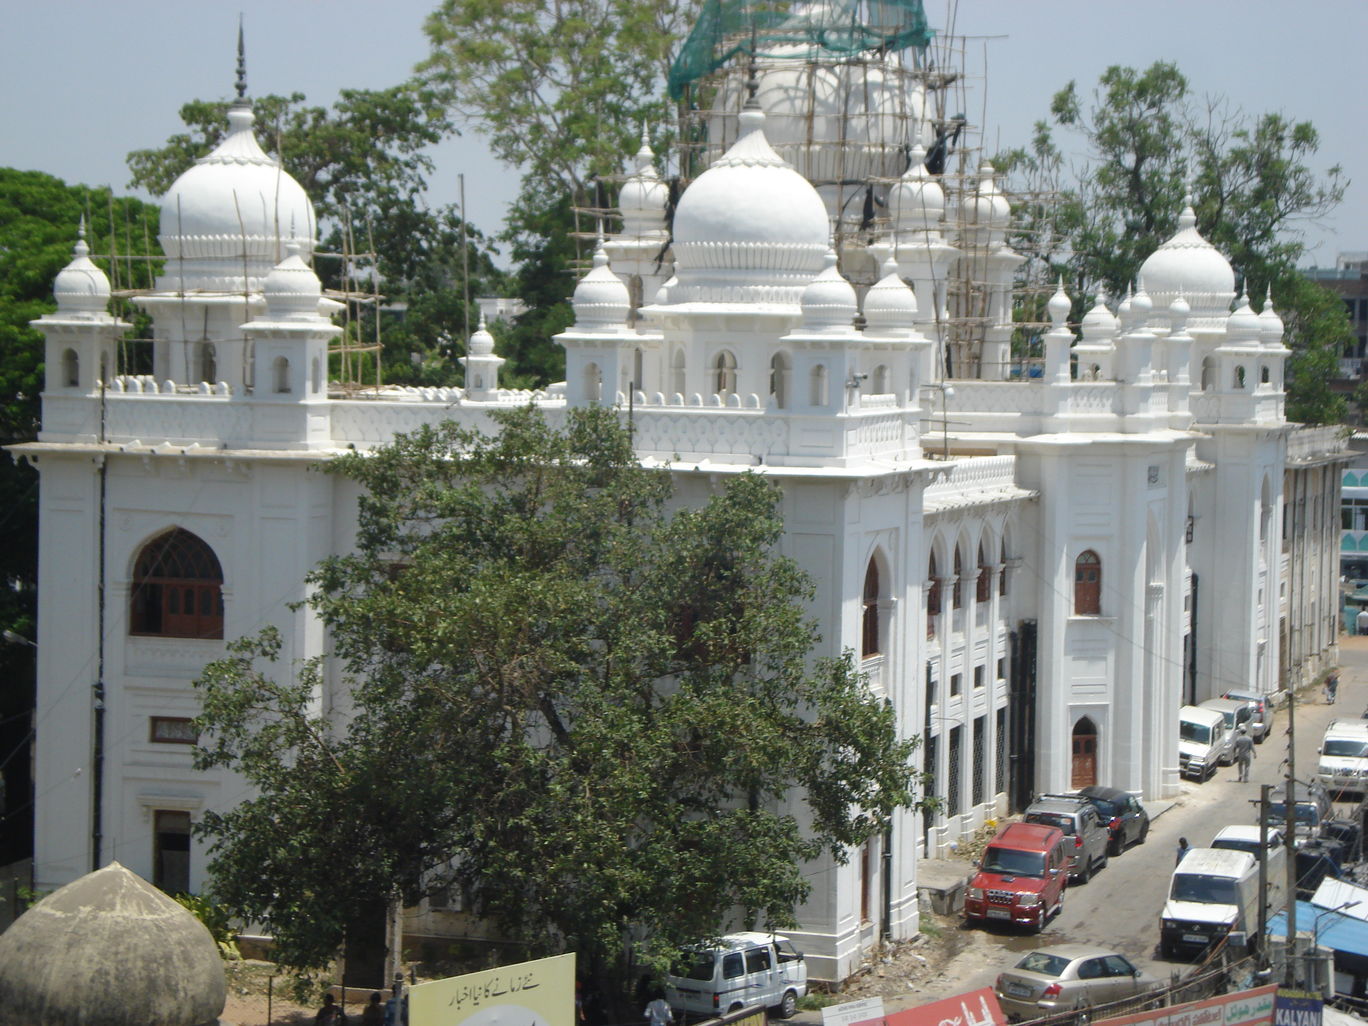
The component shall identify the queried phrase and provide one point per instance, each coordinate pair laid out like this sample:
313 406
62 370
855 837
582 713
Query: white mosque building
1037 572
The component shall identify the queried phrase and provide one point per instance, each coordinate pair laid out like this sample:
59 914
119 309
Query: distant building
1348 279
500 308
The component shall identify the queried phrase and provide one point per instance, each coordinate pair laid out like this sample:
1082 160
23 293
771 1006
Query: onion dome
1125 320
890 305
829 300
292 289
750 228
1141 305
1271 327
80 287
644 196
1243 325
1178 315
1099 324
917 199
1059 306
481 342
1190 265
110 949
235 200
601 299
989 213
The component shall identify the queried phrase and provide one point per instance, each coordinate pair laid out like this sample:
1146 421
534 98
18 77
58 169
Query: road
1120 906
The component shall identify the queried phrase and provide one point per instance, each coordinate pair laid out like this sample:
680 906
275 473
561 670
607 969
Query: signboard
1298 1008
977 1008
540 993
1244 1008
854 1013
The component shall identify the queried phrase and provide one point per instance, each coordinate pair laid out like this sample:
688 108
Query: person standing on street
658 1013
1331 687
1244 751
1183 849
1361 622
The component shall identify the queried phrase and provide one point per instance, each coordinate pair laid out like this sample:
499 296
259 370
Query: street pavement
1120 906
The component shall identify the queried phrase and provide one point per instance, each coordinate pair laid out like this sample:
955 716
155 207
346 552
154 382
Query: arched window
869 624
677 372
983 590
957 585
781 371
177 588
1083 766
1088 584
280 372
1208 374
1002 574
878 381
933 596
208 363
1239 377
317 375
593 383
724 373
818 381
638 367
71 369
1263 375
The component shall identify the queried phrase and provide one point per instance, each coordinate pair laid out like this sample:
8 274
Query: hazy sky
86 82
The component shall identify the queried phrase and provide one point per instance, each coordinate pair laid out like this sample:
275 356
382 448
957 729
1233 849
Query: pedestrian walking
374 1012
1361 622
1183 849
330 1014
658 1013
1244 751
1331 687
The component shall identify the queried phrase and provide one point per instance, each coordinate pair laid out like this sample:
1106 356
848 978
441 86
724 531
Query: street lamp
1315 932
17 639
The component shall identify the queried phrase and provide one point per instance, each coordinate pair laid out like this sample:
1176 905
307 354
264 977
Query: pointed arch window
281 374
724 374
208 363
818 383
677 372
957 585
933 596
781 371
870 642
71 369
1088 584
983 589
593 383
177 588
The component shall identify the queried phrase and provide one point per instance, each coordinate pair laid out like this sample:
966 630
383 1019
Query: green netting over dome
798 30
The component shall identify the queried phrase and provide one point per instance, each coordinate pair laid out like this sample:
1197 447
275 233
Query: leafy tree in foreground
589 712
1149 144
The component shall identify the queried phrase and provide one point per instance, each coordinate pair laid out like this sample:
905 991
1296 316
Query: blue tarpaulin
1333 930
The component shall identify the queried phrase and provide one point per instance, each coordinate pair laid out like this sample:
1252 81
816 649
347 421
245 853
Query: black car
1125 817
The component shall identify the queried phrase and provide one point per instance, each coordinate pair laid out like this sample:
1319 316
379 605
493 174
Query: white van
1214 892
745 970
1203 742
1344 756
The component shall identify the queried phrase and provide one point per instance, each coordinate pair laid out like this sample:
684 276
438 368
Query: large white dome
750 228
1189 266
235 201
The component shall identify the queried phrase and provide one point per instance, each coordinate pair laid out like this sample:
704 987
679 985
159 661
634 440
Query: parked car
1203 742
1213 893
1082 824
1344 757
1061 977
745 969
1312 810
1237 714
1261 708
1021 876
1126 818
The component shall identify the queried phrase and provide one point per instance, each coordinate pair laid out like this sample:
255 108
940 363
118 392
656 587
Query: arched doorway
1083 772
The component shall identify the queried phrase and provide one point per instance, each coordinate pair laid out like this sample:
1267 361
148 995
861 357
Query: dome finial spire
752 79
241 83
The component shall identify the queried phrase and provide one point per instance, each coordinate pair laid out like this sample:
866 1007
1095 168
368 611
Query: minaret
599 345
481 365
79 354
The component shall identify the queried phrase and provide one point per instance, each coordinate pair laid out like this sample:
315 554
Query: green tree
1149 144
590 711
39 216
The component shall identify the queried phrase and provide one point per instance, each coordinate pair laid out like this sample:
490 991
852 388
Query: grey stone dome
109 949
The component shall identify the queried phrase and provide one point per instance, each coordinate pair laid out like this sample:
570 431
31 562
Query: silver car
1063 977
1089 838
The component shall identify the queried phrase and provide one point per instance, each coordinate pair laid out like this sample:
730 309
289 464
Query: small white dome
601 299
292 289
829 300
234 199
1190 265
1271 327
481 342
1178 314
1059 306
81 287
917 200
1243 325
750 228
644 197
890 304
1099 324
989 213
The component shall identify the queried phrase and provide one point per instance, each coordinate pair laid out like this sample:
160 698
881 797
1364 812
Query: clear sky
86 82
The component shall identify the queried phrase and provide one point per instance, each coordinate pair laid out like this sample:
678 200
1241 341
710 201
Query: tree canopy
1150 143
587 709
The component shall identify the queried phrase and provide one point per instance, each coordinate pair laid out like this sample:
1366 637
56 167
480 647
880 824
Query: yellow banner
540 993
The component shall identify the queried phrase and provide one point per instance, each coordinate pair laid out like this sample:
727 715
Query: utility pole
1290 837
1263 870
